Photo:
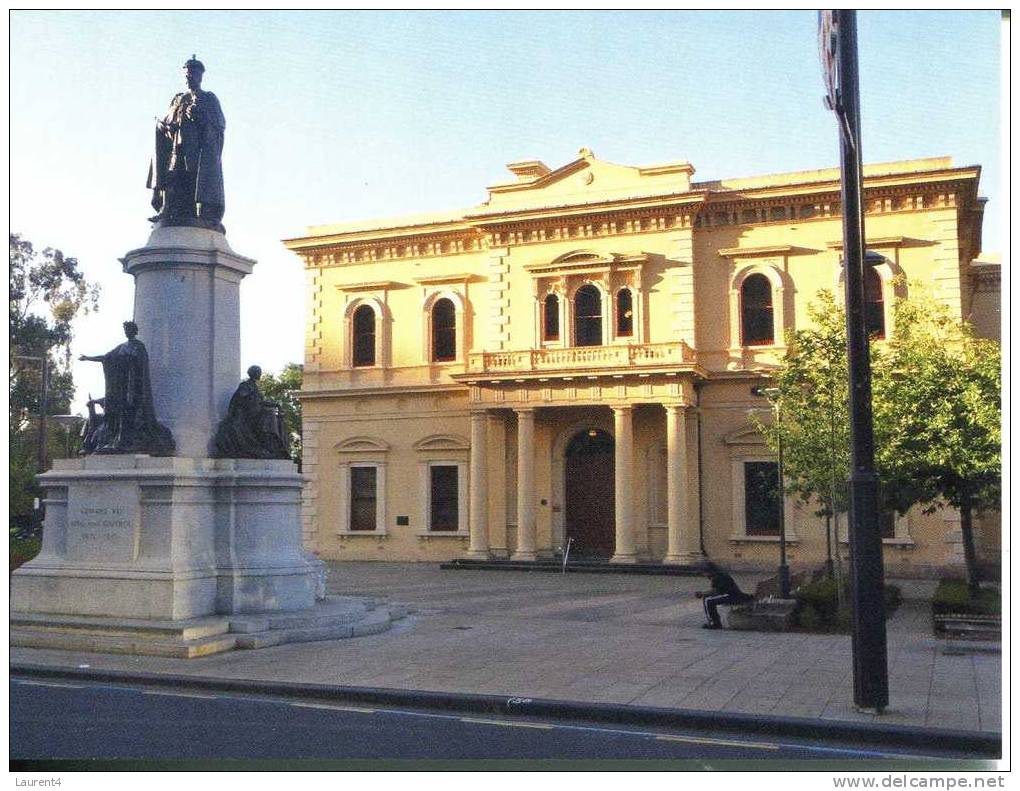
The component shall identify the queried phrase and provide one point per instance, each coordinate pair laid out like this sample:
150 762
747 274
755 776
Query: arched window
624 313
364 336
756 311
588 316
551 318
874 304
444 331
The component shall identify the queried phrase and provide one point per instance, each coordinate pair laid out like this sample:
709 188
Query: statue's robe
129 421
249 430
189 152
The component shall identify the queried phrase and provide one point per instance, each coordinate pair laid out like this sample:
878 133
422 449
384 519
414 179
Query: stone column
478 546
525 485
188 311
683 541
623 418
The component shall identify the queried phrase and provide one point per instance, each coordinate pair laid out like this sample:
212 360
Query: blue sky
335 116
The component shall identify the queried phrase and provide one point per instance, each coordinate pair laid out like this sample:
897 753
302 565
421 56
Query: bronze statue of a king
186 172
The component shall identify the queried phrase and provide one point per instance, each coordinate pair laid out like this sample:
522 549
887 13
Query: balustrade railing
637 355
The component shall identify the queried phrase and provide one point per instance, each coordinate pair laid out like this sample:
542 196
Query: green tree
813 423
47 292
938 411
283 389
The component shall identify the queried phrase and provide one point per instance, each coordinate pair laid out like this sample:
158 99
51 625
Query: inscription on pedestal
103 522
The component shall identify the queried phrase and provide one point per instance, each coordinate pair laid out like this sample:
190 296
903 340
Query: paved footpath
600 638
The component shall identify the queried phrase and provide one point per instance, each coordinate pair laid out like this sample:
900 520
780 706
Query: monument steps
190 629
97 642
334 618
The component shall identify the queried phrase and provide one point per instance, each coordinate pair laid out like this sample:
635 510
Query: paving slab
599 639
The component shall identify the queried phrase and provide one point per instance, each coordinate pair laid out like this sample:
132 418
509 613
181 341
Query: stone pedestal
187 307
168 538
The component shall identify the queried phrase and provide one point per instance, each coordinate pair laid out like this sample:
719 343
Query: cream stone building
573 359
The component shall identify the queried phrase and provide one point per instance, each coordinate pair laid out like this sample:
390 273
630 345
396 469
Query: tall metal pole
784 568
871 680
43 408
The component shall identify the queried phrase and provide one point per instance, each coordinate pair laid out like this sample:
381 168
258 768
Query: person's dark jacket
724 584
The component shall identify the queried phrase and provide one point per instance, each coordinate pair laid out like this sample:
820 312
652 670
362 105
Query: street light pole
44 361
870 662
773 396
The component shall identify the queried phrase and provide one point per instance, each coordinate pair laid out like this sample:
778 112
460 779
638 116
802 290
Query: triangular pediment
583 180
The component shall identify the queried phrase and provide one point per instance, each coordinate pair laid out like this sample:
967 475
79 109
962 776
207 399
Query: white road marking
333 707
716 742
508 723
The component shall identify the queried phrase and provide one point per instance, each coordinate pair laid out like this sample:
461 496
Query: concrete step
379 620
105 643
187 629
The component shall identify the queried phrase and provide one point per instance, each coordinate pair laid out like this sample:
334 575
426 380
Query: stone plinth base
140 537
333 618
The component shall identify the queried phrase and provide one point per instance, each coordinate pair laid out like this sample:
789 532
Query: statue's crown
194 63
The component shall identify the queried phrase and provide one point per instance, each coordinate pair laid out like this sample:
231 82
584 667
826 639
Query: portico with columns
640 493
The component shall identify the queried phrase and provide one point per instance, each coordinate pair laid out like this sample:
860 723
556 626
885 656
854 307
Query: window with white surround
445 325
444 484
754 487
362 467
585 298
364 503
758 315
366 333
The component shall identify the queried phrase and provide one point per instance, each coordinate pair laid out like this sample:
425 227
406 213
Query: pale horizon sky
339 116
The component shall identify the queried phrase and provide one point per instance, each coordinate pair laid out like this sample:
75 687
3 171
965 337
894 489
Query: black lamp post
772 394
44 361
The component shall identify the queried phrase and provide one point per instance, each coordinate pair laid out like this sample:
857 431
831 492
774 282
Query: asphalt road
83 720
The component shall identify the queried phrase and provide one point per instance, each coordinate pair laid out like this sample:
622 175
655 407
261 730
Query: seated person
724 591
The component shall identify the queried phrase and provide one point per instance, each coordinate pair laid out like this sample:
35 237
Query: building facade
573 361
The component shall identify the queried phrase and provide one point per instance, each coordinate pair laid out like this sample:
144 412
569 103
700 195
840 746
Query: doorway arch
588 493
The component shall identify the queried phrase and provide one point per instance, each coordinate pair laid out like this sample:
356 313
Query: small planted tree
937 408
813 421
938 412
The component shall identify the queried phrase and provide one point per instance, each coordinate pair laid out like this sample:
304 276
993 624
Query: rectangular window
443 502
363 498
762 502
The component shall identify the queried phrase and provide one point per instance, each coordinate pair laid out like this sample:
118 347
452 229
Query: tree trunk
969 553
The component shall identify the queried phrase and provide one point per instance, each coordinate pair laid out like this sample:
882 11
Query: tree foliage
814 424
938 413
283 389
938 409
936 402
47 292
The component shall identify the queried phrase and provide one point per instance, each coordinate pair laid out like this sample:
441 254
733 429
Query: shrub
23 550
818 605
953 597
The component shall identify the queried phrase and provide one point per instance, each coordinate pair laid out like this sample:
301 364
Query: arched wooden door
590 513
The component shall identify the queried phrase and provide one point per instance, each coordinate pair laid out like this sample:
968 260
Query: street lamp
773 396
43 398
